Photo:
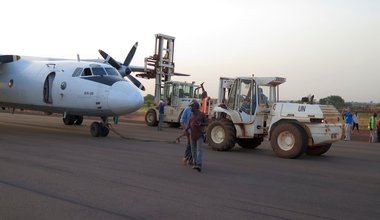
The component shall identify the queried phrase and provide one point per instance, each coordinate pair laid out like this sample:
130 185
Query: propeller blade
124 69
136 82
110 60
131 53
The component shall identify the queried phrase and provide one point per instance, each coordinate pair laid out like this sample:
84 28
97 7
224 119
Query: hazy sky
322 47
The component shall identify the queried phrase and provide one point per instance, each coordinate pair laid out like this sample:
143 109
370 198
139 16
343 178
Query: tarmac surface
52 171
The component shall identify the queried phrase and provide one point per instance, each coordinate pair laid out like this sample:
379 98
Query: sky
321 47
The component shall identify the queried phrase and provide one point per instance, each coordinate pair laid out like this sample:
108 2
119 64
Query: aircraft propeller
124 69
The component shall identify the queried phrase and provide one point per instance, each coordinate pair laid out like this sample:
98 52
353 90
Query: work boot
198 168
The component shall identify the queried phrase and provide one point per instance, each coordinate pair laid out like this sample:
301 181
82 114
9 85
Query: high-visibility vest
203 107
372 122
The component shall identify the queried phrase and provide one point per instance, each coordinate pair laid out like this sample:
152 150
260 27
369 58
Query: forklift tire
249 143
288 140
318 150
151 118
221 135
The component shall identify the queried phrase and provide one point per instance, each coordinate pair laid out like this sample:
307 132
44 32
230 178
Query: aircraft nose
124 98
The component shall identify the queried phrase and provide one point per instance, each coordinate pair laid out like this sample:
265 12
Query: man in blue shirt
187 159
348 124
161 108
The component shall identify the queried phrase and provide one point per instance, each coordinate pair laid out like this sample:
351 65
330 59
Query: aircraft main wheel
318 150
104 130
151 118
221 135
288 141
99 129
78 120
68 119
249 143
95 129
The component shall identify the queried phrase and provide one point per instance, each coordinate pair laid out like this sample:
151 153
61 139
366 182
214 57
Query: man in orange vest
204 105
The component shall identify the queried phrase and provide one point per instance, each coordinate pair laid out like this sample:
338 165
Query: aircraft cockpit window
112 72
98 71
77 72
86 72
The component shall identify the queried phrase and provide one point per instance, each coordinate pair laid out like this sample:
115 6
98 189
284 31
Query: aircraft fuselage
67 86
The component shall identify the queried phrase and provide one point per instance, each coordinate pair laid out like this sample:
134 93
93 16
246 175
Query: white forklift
252 112
176 94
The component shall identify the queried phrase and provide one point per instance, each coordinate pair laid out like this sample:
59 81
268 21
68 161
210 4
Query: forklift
177 95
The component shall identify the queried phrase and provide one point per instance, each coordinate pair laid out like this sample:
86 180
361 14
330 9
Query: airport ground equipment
177 94
252 111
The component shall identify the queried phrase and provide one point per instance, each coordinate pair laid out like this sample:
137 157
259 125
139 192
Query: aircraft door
48 88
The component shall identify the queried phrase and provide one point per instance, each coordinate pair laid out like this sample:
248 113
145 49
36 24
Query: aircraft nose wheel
99 129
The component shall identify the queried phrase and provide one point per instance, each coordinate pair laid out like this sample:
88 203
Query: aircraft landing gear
100 129
72 119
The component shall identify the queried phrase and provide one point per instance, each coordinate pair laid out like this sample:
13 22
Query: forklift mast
162 62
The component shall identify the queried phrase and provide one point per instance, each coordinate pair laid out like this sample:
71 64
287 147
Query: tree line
334 100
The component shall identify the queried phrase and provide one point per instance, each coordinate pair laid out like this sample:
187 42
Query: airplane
75 88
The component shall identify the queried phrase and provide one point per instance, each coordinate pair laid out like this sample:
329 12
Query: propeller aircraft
75 88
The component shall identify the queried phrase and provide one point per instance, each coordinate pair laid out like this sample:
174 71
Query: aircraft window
87 72
77 72
112 72
98 71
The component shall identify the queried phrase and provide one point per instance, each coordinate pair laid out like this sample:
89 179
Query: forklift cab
242 96
176 93
247 98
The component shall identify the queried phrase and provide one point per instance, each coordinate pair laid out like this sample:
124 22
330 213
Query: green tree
334 100
148 100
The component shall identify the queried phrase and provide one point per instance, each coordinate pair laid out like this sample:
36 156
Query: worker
197 124
185 117
204 105
248 104
161 108
372 128
378 130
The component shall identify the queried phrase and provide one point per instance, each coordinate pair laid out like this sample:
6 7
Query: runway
52 171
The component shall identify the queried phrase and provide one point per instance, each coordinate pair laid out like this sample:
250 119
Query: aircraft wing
139 70
8 58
